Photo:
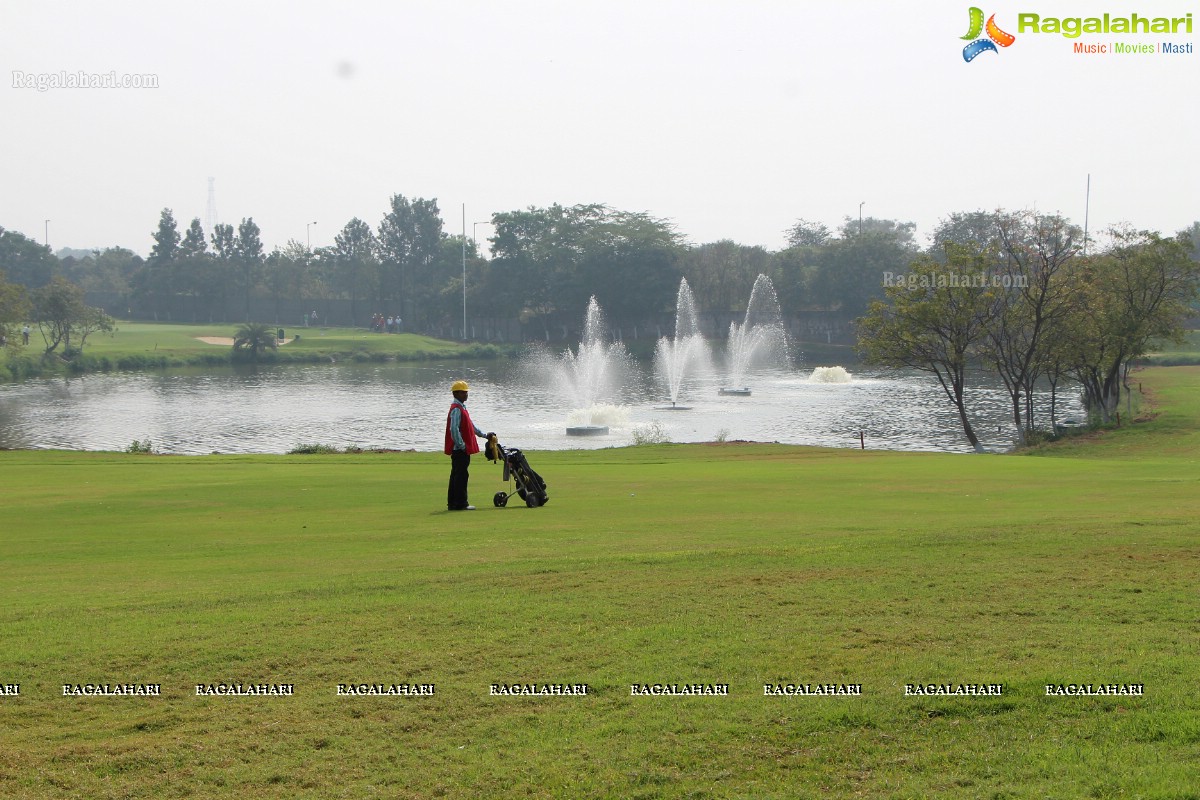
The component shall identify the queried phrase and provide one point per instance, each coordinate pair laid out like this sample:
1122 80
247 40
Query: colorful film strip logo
995 36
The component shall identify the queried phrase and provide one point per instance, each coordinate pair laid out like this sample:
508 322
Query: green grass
1169 354
740 564
160 345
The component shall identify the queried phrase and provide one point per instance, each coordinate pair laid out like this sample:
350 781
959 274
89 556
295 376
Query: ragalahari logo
995 36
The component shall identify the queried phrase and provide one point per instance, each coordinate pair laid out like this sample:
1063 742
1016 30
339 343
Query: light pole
860 205
308 233
46 235
464 256
474 225
464 261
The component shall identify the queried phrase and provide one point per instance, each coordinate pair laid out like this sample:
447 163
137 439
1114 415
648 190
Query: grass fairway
183 340
736 564
162 345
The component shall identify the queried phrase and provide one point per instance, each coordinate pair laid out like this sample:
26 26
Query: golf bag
530 486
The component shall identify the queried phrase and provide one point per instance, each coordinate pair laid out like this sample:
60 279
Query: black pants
456 496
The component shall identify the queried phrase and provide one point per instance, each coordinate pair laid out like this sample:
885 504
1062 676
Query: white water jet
604 414
829 375
588 376
759 340
686 353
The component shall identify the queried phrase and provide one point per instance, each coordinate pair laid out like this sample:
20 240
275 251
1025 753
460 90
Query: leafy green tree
1141 289
409 242
224 242
14 310
56 308
61 315
535 258
110 270
194 243
625 250
355 264
722 275
288 273
549 261
249 259
25 261
848 272
935 323
807 234
155 284
1037 250
254 338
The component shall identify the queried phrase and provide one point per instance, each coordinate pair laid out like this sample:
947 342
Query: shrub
651 433
313 449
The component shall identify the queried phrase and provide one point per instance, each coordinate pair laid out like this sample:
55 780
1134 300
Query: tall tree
155 285
193 243
549 261
26 262
410 237
722 274
61 314
807 234
14 310
848 273
356 264
934 322
249 259
1140 290
1037 249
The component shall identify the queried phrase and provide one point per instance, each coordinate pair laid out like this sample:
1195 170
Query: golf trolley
530 486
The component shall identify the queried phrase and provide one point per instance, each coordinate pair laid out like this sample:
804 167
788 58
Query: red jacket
465 427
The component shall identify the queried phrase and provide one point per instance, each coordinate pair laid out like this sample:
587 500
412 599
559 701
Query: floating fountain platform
673 407
734 391
587 430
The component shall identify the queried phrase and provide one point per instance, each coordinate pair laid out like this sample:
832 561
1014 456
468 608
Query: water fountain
589 375
686 353
760 338
829 375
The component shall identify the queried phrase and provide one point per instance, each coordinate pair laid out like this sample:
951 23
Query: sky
732 120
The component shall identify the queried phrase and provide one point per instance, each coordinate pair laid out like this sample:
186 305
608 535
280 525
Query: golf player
461 442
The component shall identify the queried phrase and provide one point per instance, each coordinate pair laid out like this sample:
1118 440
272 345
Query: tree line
540 268
1026 295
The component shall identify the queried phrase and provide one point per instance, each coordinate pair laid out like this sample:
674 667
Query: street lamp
464 261
46 235
475 225
308 233
860 205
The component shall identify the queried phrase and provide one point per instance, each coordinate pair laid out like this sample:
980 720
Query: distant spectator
25 333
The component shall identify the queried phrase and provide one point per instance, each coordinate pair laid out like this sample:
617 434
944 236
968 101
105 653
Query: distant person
25 334
314 317
461 442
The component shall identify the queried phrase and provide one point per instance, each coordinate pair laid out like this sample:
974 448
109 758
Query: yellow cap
460 386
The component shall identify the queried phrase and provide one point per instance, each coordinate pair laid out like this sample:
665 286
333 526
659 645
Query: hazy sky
731 119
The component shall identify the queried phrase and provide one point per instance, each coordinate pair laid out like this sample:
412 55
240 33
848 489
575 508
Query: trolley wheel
531 500
500 500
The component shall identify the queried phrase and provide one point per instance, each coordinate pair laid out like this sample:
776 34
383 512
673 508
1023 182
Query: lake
402 406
